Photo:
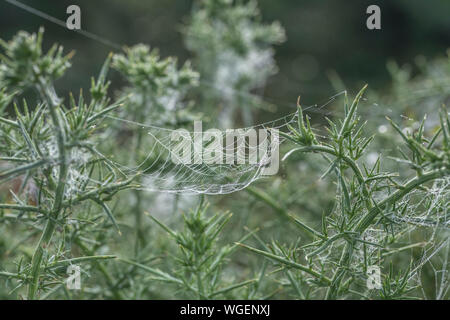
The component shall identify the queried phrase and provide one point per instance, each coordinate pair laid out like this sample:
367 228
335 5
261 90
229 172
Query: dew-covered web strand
199 178
436 257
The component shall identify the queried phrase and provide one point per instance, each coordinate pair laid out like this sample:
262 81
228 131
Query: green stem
198 275
397 195
46 89
138 207
265 197
350 162
19 170
37 257
13 159
288 263
269 200
23 208
97 192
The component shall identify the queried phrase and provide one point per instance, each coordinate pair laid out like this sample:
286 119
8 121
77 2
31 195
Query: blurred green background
321 36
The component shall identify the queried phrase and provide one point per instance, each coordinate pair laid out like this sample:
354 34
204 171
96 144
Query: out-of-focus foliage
24 63
158 87
233 51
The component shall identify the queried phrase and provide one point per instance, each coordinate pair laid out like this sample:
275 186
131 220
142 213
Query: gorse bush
158 88
312 232
200 260
370 212
54 145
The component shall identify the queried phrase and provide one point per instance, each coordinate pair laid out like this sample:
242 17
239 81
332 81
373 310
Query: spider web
424 220
431 214
163 168
245 154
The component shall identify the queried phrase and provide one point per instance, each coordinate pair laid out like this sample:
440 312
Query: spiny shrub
198 265
374 211
60 203
158 89
55 148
